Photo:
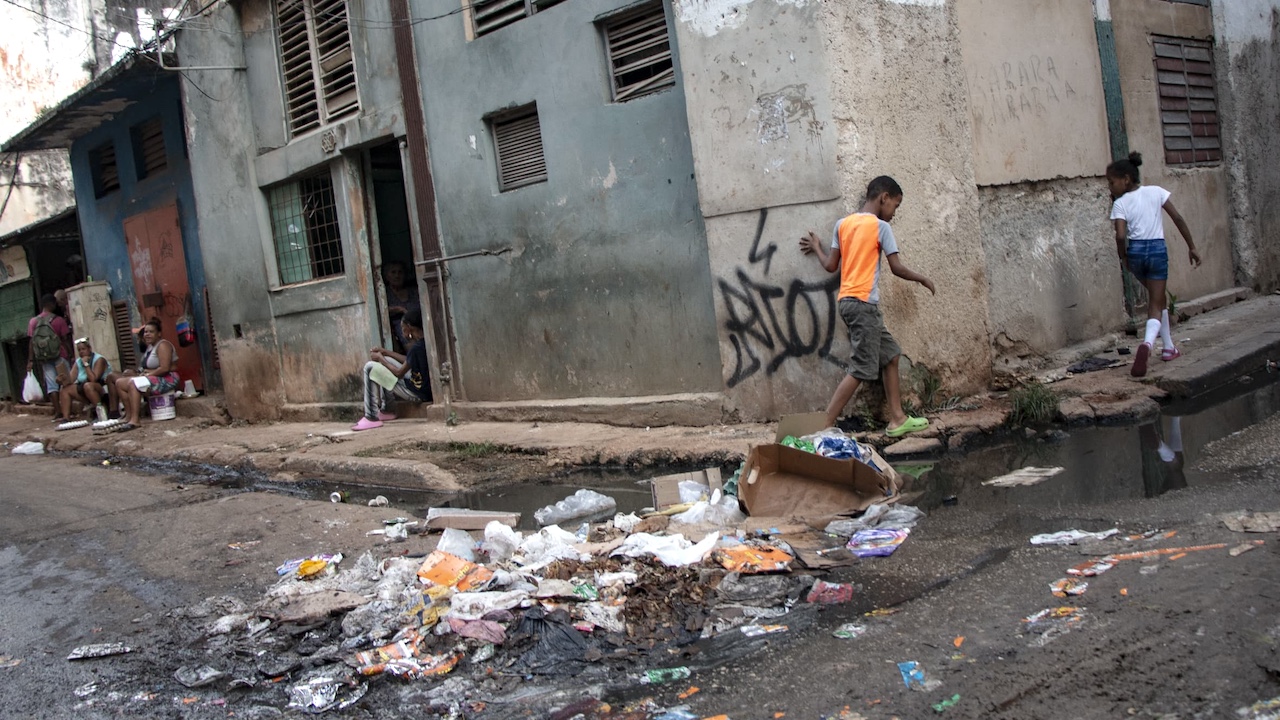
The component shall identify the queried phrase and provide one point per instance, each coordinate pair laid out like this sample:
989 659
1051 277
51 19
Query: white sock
1153 329
1164 330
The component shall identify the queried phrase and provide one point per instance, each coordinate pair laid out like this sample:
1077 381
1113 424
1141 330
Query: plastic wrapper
451 571
877 517
876 543
691 492
310 567
850 631
500 541
459 543
626 523
1071 537
605 617
325 690
671 550
792 441
581 504
750 559
914 677
1092 568
827 593
473 606
195 677
97 650
28 448
1068 586
548 545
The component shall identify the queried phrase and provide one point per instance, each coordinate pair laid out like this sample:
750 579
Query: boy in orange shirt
855 251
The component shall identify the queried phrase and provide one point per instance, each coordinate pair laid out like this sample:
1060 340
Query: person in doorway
49 349
402 296
157 375
1135 213
858 242
390 374
88 377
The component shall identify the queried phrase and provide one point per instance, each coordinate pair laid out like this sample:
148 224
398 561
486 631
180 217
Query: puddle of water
1104 464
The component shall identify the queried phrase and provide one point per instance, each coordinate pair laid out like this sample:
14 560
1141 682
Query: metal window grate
316 62
304 226
517 140
490 15
1188 101
148 147
639 50
106 172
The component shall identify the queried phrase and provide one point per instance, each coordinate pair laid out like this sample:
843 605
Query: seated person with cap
85 381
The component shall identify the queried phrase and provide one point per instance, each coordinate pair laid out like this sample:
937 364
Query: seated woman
402 296
388 373
159 370
88 375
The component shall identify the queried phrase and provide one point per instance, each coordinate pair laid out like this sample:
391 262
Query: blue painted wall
102 219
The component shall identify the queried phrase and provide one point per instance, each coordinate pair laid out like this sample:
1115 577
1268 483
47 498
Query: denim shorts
1148 259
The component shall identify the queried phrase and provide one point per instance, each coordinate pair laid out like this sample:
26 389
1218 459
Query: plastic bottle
583 503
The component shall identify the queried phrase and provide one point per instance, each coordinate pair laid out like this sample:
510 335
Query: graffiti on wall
768 322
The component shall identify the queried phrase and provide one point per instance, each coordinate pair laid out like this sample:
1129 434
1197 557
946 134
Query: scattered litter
671 550
1068 586
458 542
1145 554
86 690
582 504
693 690
29 448
338 497
310 567
877 517
1051 623
850 631
1025 476
1179 556
1241 549
243 545
7 662
1148 569
665 675
914 677
1261 710
948 703
441 568
876 543
881 612
379 501
326 689
1071 537
1093 364
467 519
758 630
1124 592
1092 568
194 677
752 559
99 650
958 641
827 593
1247 522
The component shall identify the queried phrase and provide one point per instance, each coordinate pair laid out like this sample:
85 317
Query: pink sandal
386 416
366 424
1168 354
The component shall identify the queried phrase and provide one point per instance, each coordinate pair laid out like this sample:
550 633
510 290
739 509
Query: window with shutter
490 15
517 140
1188 101
106 173
639 49
304 227
315 62
148 147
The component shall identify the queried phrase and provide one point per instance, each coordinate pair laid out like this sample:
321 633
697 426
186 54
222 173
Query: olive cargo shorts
873 346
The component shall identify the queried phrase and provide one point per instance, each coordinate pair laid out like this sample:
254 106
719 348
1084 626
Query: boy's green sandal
910 425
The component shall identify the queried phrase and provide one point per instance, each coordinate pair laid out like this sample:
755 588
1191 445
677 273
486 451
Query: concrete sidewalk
1217 346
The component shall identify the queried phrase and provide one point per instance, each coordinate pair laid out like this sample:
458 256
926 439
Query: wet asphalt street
95 554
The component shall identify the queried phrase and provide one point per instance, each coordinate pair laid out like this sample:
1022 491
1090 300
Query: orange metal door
160 280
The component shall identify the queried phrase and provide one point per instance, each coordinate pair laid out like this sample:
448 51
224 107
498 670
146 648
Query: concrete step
1220 346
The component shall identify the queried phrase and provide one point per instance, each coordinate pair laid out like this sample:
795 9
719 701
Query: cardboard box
666 489
466 519
782 481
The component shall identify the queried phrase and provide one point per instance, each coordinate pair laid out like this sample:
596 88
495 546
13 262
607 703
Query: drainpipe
1115 126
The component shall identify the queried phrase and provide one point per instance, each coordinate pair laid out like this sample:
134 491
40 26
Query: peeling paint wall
1248 63
301 343
884 94
606 290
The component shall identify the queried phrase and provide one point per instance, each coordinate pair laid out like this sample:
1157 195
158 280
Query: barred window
517 140
304 226
490 15
639 50
1188 101
315 60
148 147
105 170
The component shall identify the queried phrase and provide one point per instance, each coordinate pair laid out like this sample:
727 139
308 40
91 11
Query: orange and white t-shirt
861 237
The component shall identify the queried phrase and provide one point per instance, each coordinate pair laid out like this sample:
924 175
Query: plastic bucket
163 406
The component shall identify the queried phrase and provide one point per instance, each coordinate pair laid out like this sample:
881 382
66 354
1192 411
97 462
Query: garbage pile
631 600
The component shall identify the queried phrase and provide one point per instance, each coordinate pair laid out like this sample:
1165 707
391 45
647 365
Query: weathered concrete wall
606 291
1248 63
1035 89
1199 193
300 343
1052 266
42 188
892 76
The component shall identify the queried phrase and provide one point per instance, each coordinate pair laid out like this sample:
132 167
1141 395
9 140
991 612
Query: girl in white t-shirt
1139 226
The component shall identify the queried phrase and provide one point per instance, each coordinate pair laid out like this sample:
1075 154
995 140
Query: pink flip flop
366 424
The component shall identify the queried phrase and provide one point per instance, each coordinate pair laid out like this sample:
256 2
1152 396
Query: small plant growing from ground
1032 404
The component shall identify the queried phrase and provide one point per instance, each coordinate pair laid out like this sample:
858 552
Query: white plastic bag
31 391
500 541
671 550
458 542
29 448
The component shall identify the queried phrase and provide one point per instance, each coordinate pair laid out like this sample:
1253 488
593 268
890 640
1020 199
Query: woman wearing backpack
50 343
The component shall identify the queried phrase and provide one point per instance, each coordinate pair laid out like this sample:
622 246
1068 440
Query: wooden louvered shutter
333 49
301 105
640 53
148 147
518 143
1188 101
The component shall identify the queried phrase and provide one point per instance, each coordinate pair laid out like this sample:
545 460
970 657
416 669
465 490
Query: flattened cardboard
781 481
466 519
666 489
